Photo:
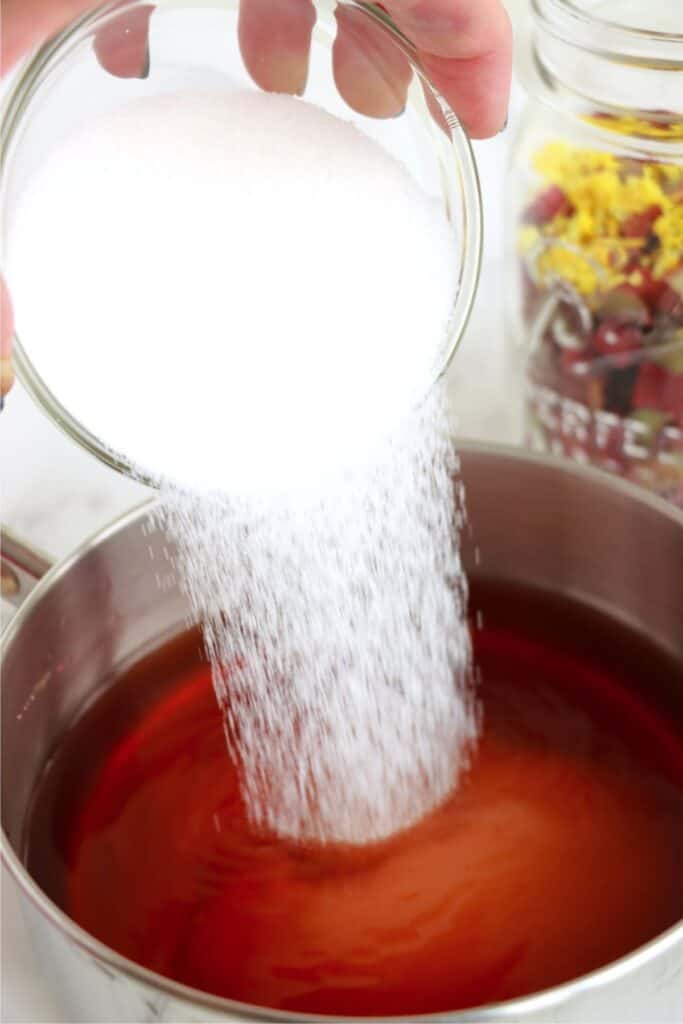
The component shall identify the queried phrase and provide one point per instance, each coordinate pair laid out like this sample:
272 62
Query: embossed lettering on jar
595 237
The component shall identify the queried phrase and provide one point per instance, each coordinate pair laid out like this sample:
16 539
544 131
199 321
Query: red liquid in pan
561 851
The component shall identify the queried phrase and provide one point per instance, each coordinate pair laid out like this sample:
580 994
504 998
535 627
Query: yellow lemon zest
586 247
558 262
529 237
638 126
669 230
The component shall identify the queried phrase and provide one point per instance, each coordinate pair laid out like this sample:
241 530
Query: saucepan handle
21 567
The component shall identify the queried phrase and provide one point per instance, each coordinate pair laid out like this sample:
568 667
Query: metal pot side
533 519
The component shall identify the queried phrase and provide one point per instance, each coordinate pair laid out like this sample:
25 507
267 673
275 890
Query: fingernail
145 67
282 72
399 113
122 46
302 88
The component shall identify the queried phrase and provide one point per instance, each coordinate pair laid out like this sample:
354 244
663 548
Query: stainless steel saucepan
534 520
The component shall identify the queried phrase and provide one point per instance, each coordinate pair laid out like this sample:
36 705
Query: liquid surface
560 852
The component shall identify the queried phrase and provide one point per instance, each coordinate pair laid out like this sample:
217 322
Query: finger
435 109
477 90
122 45
466 50
275 40
25 25
6 332
369 70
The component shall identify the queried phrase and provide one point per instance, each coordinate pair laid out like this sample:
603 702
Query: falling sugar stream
282 291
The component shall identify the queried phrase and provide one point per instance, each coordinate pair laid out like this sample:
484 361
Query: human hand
465 47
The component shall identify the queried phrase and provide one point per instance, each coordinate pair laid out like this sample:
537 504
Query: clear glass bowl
195 44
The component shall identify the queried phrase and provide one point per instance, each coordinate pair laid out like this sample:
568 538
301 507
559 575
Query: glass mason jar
595 237
195 44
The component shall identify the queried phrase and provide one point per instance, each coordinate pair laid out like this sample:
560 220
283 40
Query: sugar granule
248 300
337 633
233 290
